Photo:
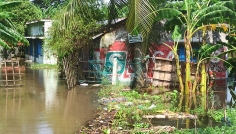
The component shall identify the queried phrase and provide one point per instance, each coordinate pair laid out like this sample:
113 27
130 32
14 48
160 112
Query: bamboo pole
13 72
6 72
18 64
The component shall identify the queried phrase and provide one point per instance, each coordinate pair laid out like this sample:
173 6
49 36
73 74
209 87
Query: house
116 43
36 32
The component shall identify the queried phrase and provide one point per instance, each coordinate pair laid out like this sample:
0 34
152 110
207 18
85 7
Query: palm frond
139 9
114 6
145 25
85 9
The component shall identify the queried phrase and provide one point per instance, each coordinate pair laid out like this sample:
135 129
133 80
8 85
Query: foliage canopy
9 37
24 12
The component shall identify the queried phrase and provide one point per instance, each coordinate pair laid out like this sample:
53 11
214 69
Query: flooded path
45 106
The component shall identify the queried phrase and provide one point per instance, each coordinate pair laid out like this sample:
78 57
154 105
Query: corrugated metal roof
42 20
105 23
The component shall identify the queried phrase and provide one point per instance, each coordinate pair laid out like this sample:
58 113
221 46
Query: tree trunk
203 78
139 80
70 68
187 67
179 75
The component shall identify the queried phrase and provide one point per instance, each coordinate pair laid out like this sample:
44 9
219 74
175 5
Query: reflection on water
45 106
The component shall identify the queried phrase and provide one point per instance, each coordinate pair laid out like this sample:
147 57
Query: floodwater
44 105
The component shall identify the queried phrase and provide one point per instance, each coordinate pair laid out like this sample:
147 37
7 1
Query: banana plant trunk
203 78
203 86
203 69
187 65
179 75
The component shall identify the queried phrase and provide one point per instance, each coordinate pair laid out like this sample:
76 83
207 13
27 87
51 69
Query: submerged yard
149 111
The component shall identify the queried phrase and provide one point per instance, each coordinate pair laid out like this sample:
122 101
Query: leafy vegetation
71 32
49 8
24 12
183 19
9 36
190 16
131 106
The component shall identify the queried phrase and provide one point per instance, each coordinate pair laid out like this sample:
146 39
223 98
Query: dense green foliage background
24 12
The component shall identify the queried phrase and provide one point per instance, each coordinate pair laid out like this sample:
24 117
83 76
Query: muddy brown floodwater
43 105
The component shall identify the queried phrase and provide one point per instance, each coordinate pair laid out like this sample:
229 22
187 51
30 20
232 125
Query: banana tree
9 37
191 16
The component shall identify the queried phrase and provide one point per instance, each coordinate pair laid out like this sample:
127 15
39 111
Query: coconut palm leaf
114 6
85 9
139 9
145 25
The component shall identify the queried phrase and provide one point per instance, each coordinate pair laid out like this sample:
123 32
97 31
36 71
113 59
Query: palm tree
8 34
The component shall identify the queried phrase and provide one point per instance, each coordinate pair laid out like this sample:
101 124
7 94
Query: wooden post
18 64
13 72
6 72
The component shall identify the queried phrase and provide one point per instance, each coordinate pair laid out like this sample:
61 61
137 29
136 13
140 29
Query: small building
97 62
36 32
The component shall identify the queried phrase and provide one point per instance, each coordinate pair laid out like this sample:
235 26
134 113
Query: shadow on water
43 105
